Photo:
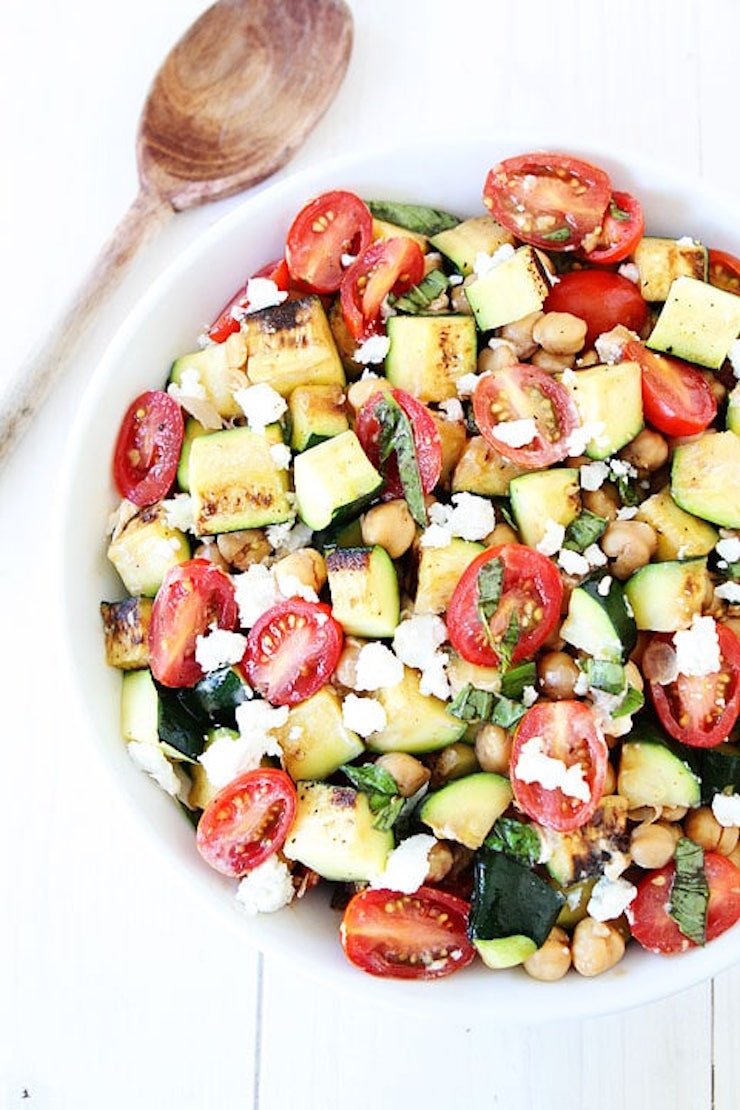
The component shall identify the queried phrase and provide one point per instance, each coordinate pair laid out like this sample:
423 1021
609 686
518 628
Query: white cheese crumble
529 696
573 563
281 455
685 241
534 765
733 355
593 475
190 394
627 512
466 383
729 549
407 865
729 591
495 342
630 271
266 888
469 517
262 293
256 591
516 433
697 647
456 279
363 715
610 344
610 898
228 757
416 643
261 404
594 556
377 668
179 512
436 535
374 349
580 437
726 809
219 648
189 385
288 537
151 758
484 263
620 468
452 409
290 585
348 260
552 539
604 586
568 376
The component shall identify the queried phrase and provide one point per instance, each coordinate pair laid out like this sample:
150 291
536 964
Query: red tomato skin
388 266
192 596
601 298
622 236
729 646
226 324
298 678
545 452
676 398
724 271
154 425
654 928
335 223
427 442
366 927
550 720
219 837
581 212
521 563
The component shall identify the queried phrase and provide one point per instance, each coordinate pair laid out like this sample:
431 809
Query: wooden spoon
233 101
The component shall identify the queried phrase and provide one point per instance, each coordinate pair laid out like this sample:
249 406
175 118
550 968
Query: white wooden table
115 993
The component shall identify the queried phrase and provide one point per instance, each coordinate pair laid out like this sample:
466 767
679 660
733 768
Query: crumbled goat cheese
733 355
534 765
697 648
407 865
151 758
295 733
469 517
604 586
685 241
452 409
604 706
266 888
630 271
373 349
363 715
281 456
627 512
728 591
495 342
620 468
456 279
178 512
291 586
516 433
261 404
219 648
227 758
162 548
568 376
610 344
610 898
288 537
729 549
593 475
552 539
348 260
466 383
726 809
377 668
484 263
573 563
256 591
580 686
436 535
580 437
594 556
190 394
434 682
189 385
263 293
416 643
529 696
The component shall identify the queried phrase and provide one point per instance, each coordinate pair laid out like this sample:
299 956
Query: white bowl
448 174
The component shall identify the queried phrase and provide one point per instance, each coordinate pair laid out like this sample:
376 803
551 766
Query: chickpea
519 334
631 544
560 333
243 548
439 862
604 502
552 364
596 946
648 451
452 763
644 814
502 355
493 749
557 675
459 303
633 677
307 565
674 813
502 533
362 390
391 525
552 960
610 780
409 773
703 827
588 358
652 845
346 670
211 552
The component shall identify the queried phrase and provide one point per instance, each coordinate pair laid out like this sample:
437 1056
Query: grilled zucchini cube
661 261
139 708
698 322
461 244
316 413
482 470
544 495
581 854
334 481
440 569
667 596
704 478
452 438
513 289
220 370
609 397
126 628
680 534
384 229
144 550
429 353
416 722
193 429
235 483
292 344
364 590
334 834
315 740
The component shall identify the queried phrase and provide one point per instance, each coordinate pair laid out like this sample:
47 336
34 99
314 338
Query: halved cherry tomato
227 323
427 443
148 448
293 650
622 229
654 928
550 200
724 271
676 398
388 266
247 821
333 224
568 732
601 298
191 598
701 710
522 391
407 936
531 590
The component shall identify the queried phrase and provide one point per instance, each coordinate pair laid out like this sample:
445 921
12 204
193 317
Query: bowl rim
693 967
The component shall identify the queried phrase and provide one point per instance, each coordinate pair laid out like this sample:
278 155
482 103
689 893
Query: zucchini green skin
672 775
185 715
602 626
720 768
509 900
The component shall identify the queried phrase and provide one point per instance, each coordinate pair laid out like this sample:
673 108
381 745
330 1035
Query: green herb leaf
387 813
509 640
560 235
414 217
490 583
381 789
616 212
507 712
732 572
633 700
517 840
395 434
605 676
471 704
689 897
514 681
502 503
628 491
584 530
418 299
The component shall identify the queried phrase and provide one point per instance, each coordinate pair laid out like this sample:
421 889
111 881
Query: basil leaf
418 299
689 896
509 640
517 840
605 676
387 813
471 704
490 583
395 434
418 218
634 699
616 212
628 491
584 530
506 712
371 779
502 503
560 235
733 572
514 681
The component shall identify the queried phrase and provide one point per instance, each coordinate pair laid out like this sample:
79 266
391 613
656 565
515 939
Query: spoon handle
46 365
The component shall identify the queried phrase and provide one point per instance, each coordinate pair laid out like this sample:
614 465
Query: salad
432 561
